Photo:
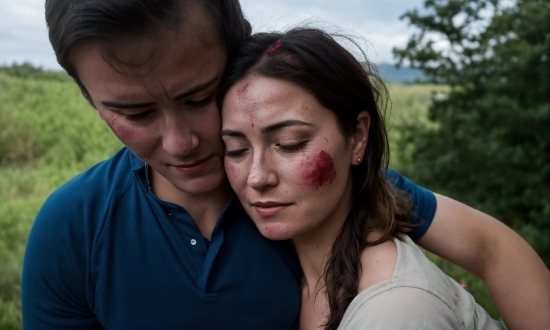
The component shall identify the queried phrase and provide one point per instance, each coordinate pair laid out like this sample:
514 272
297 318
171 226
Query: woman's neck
314 249
313 256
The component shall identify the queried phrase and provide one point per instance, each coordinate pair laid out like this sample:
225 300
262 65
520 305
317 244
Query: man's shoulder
99 180
89 193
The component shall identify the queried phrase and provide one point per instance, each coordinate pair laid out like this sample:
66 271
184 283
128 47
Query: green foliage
410 104
28 71
49 122
409 109
488 142
48 134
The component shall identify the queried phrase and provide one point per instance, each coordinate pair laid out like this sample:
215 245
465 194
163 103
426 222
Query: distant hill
26 70
402 75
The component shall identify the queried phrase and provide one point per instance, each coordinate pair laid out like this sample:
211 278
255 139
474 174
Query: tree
489 141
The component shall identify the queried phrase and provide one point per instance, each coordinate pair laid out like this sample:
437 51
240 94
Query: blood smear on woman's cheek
320 170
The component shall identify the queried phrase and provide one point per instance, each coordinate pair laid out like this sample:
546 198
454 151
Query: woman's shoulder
378 264
399 307
416 295
392 294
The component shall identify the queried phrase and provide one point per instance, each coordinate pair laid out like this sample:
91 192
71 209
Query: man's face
158 95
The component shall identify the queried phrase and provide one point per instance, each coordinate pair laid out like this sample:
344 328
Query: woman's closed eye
234 153
292 147
289 148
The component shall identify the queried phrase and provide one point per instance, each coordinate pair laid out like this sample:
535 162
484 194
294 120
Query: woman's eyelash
285 147
293 147
234 153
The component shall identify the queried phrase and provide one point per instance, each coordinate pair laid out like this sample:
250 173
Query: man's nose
178 138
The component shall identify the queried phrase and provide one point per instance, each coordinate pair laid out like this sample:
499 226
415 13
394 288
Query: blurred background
470 118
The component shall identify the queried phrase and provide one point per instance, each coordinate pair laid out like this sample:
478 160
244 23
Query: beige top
418 296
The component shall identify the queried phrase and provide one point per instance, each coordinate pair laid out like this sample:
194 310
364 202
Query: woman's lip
193 167
269 209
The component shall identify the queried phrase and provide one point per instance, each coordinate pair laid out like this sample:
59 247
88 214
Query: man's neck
204 208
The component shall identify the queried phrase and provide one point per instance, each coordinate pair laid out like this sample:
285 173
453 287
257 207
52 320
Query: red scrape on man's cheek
320 170
121 130
129 136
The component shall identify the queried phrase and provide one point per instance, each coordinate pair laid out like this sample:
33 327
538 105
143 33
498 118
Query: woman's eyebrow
285 123
230 132
267 129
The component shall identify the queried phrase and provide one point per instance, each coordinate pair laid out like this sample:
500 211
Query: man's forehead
136 51
145 69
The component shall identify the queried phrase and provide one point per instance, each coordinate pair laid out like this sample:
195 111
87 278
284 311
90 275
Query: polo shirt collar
233 207
136 163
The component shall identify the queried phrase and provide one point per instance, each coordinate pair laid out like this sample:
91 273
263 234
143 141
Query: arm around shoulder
515 275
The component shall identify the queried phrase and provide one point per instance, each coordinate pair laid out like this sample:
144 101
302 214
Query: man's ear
360 137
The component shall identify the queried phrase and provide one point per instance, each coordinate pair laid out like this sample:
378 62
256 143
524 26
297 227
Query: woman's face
285 158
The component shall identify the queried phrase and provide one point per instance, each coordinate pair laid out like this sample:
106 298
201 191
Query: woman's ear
360 138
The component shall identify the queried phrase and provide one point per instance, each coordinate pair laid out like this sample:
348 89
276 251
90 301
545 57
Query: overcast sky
23 34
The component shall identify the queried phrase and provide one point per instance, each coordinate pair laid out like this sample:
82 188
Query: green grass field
49 133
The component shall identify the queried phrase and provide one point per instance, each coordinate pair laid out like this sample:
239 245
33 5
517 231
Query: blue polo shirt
423 202
105 252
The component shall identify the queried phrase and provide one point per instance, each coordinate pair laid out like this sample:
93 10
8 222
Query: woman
306 152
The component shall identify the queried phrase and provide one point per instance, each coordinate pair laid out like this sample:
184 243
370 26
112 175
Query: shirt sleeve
423 202
404 307
53 289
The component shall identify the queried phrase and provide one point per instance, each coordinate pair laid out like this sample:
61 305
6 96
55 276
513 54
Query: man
152 238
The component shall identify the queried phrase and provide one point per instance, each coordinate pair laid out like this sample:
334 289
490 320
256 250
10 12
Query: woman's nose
261 174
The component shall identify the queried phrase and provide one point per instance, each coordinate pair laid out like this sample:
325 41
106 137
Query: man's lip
269 204
192 164
194 167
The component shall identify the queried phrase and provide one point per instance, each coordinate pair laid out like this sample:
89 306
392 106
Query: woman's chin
276 232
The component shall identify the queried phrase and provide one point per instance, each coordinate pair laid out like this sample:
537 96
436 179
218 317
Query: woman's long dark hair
314 60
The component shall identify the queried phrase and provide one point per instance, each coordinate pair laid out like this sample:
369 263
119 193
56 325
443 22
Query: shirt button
193 242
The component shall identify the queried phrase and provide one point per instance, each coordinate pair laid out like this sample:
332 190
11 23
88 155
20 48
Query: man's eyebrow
193 90
285 123
118 105
196 89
